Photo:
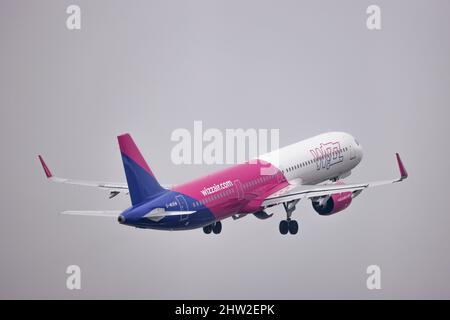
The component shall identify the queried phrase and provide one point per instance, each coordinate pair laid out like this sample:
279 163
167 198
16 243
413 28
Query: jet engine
331 204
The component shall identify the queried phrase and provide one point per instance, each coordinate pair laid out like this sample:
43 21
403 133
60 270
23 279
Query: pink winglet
129 148
401 167
44 166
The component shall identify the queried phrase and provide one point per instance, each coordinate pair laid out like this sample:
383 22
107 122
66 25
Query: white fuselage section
323 157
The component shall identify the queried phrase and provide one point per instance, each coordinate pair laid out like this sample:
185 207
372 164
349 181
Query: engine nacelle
262 215
329 205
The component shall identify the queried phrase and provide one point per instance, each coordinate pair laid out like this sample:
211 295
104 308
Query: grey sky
149 67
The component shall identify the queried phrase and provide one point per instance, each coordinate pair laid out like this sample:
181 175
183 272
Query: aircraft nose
121 219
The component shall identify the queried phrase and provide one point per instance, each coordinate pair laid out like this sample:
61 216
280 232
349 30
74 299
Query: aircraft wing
161 213
290 192
113 188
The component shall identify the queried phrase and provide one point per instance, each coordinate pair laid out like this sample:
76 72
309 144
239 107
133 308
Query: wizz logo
327 155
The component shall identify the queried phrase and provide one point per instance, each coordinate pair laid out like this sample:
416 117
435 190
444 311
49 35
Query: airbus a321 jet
309 169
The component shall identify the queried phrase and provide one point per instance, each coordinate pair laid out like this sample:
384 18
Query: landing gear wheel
293 227
207 229
217 228
284 226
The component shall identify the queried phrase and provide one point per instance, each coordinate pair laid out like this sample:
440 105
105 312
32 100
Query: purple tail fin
142 183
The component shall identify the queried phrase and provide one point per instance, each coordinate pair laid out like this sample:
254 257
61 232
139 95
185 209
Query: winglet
401 167
44 166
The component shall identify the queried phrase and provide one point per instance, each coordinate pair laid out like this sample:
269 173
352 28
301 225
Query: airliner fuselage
241 189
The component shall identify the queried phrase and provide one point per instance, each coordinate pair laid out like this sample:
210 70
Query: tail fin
142 183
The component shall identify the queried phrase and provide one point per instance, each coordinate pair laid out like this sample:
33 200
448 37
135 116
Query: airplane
310 169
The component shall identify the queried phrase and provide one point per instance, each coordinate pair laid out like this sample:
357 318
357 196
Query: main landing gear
289 225
216 228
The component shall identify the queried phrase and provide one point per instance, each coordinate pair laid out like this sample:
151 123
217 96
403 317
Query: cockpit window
357 143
